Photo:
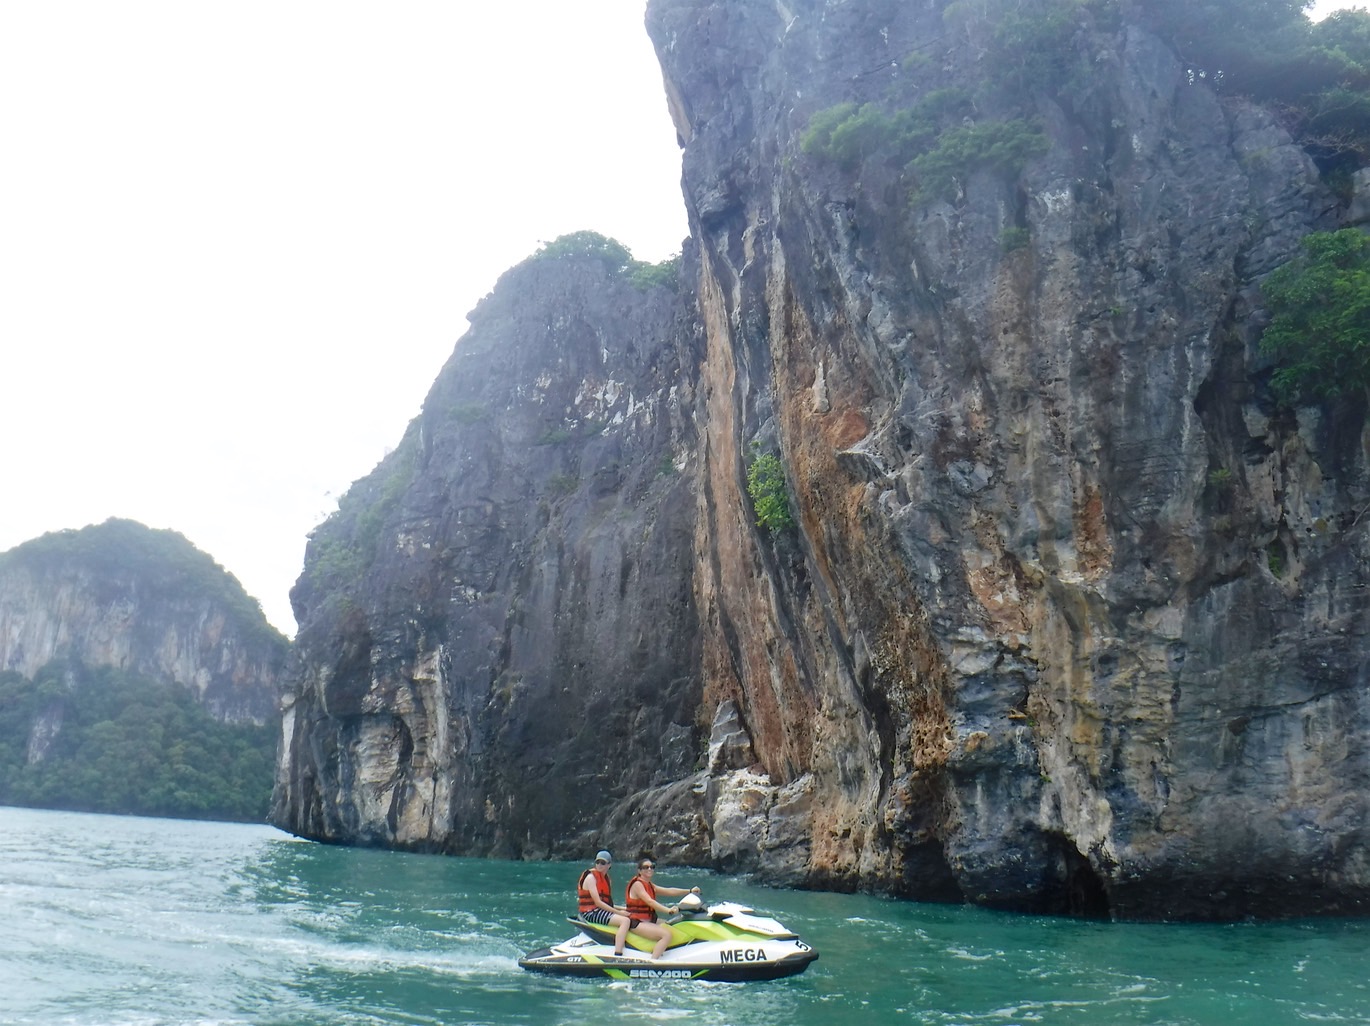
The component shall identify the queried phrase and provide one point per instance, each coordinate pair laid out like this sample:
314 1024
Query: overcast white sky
238 240
1322 8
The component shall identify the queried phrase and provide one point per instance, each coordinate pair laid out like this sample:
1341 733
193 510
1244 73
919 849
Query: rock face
1073 618
498 637
123 595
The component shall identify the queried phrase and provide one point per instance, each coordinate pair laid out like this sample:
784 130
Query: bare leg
621 937
662 944
659 933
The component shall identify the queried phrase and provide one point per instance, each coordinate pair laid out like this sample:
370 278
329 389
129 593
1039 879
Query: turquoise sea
115 921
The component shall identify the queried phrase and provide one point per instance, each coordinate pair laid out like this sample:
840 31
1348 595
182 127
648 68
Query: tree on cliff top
612 253
615 256
1317 75
1224 35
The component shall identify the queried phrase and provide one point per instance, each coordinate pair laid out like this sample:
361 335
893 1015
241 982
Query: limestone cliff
497 631
1073 615
1022 645
122 595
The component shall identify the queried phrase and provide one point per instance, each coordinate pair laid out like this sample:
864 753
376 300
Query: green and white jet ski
725 941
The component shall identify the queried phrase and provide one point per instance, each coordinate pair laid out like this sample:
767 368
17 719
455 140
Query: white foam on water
971 956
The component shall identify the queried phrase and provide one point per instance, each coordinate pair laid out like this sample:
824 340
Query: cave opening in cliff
928 876
1080 892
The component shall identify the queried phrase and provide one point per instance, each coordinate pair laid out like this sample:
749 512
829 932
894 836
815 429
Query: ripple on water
122 922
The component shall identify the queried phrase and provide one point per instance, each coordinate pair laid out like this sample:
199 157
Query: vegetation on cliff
1320 331
1317 76
101 740
766 486
616 256
346 542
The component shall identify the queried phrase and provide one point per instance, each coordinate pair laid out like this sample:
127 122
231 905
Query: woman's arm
676 891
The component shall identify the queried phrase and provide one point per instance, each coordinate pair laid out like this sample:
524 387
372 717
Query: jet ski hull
600 961
726 944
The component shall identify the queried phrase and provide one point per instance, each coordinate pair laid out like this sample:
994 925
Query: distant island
136 676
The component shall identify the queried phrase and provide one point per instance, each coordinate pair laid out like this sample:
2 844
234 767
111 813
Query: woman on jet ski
593 891
643 906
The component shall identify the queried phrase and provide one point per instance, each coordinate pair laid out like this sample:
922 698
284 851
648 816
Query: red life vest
601 884
637 908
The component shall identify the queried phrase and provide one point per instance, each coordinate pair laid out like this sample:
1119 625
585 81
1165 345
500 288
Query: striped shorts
597 916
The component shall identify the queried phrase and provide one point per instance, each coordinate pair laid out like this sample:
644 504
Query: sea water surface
115 921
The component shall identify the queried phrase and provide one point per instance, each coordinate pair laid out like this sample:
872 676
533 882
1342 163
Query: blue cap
603 856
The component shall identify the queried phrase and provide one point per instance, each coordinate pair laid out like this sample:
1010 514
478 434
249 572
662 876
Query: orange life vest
601 884
637 908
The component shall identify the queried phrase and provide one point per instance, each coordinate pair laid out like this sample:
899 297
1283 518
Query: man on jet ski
643 906
593 891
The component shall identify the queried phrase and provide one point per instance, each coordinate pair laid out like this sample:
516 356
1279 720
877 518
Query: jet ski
724 941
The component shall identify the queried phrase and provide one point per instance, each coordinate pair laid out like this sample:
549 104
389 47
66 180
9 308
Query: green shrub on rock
1004 146
766 486
1320 329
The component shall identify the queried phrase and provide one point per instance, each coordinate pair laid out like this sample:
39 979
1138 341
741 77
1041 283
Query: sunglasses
601 862
646 865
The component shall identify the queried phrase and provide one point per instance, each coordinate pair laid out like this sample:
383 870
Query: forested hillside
100 740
